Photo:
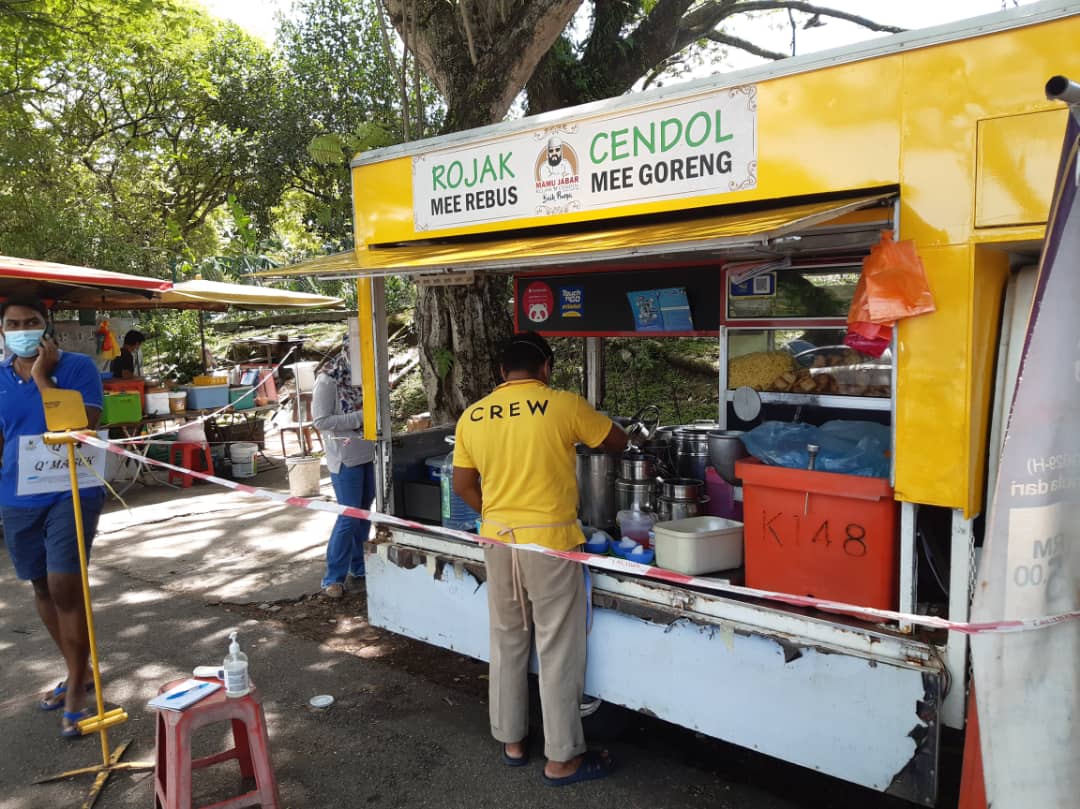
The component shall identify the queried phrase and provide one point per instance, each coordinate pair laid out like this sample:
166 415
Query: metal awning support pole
384 491
594 370
202 341
367 358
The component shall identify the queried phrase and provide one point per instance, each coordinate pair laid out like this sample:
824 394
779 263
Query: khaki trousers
555 611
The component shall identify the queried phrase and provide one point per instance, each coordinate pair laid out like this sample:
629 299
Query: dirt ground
341 625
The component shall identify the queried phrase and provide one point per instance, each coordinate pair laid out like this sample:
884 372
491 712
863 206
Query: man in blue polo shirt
39 529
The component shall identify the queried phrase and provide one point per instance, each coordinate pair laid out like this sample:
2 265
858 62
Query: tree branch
743 45
811 8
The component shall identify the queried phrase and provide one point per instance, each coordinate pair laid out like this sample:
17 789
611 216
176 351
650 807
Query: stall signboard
706 145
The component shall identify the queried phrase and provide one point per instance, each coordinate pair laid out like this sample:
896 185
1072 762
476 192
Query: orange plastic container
125 386
820 534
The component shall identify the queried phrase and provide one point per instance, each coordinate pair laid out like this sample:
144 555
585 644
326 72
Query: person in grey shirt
337 412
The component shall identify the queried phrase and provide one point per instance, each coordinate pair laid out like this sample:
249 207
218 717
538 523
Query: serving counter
791 683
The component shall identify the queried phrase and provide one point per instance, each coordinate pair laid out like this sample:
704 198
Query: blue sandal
516 761
594 765
55 698
69 728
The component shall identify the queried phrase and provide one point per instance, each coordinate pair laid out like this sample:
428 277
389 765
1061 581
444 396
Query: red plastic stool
172 760
182 453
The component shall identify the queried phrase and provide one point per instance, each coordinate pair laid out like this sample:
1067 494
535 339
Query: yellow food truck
750 200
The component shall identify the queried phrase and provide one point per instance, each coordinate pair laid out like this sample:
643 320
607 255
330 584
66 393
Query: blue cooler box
207 397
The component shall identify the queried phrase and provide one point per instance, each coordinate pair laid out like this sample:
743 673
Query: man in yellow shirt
519 441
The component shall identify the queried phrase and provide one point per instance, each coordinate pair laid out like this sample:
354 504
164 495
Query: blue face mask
24 343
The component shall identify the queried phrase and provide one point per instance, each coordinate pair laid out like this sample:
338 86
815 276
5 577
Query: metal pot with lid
638 466
635 495
672 509
682 488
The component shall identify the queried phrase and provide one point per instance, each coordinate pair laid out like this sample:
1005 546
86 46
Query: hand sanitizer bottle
236 670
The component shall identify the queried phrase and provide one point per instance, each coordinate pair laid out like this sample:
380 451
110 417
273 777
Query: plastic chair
299 421
186 454
173 763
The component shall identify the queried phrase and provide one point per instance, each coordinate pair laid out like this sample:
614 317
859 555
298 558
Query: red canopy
75 287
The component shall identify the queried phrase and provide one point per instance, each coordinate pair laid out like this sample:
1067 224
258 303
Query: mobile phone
50 331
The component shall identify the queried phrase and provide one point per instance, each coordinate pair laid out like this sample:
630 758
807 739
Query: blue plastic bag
846 447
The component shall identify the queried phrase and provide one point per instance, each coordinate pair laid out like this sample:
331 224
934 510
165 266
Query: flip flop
71 731
55 698
593 767
511 761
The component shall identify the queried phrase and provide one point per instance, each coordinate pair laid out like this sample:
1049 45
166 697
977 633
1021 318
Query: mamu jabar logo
556 176
537 302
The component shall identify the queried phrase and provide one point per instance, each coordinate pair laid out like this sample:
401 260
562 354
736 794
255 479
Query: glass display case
784 337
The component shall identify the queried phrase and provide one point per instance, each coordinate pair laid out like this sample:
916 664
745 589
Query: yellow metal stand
64 411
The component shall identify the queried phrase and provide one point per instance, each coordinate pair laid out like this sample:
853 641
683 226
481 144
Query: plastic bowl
643 555
600 546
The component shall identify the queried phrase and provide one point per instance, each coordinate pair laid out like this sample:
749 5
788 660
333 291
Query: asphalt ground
179 569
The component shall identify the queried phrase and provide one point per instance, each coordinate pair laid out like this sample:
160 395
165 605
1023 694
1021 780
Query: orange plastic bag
893 284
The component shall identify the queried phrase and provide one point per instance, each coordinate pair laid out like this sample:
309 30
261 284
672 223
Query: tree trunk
479 53
462 328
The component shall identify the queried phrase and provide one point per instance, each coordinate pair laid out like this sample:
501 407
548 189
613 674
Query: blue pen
187 691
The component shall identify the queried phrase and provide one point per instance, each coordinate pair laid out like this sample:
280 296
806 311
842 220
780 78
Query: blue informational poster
646 307
666 310
675 309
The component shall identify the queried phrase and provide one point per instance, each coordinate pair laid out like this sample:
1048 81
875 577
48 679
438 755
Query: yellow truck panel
960 127
1014 168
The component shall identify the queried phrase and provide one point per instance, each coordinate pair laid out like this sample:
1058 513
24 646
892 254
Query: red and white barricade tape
613 564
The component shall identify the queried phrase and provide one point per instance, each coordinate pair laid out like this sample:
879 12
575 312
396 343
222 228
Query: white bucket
304 372
157 403
242 455
304 475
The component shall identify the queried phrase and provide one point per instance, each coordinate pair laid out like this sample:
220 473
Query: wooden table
154 424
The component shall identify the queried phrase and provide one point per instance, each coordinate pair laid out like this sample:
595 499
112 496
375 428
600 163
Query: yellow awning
244 296
625 243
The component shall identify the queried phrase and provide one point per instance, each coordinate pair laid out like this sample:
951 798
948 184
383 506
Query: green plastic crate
121 408
242 398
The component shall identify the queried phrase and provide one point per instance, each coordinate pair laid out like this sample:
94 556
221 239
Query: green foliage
339 97
123 127
638 373
443 361
400 295
173 348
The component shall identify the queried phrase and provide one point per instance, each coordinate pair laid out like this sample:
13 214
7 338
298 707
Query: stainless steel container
665 433
692 436
725 448
635 495
596 487
637 466
671 509
692 450
665 456
682 488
